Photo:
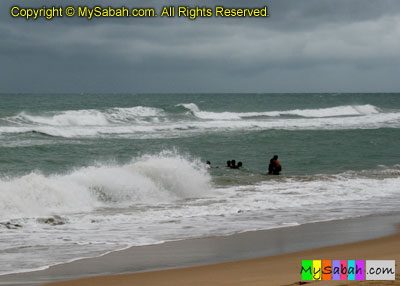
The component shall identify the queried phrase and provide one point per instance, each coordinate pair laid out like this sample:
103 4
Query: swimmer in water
274 166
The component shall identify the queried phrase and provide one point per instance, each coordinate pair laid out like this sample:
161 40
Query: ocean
82 175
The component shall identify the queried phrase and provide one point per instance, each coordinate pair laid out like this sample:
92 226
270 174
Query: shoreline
281 270
209 251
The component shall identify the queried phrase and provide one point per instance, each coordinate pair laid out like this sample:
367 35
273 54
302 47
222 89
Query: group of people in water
229 164
232 164
274 167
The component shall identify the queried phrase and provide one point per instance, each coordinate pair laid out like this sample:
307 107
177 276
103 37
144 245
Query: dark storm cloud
305 46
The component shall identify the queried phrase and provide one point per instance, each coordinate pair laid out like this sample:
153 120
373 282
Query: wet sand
274 270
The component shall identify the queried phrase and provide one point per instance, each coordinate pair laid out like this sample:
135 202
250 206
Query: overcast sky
304 46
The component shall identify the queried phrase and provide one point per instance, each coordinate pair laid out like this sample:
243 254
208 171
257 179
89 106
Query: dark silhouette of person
228 164
208 164
234 166
274 167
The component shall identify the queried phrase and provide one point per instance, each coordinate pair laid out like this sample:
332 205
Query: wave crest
87 117
345 110
148 122
151 179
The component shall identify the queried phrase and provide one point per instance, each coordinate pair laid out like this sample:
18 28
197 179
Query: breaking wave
151 179
149 122
88 117
347 110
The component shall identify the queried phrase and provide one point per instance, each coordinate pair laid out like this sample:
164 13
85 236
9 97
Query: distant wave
345 110
87 117
148 122
151 179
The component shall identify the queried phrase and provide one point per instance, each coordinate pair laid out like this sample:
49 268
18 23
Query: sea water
85 174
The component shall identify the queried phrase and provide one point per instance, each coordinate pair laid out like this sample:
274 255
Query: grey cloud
313 45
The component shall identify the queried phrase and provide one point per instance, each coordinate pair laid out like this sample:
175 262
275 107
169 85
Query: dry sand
274 270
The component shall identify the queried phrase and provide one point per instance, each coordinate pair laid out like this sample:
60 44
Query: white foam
321 191
87 117
149 179
67 118
151 184
182 128
191 106
345 110
144 122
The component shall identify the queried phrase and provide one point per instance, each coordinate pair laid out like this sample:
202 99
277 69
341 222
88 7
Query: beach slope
273 270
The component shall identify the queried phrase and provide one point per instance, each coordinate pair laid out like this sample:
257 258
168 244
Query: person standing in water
274 166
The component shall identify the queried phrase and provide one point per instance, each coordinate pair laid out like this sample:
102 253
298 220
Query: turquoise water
302 151
85 174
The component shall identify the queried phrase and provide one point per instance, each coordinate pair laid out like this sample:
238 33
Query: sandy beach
274 270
